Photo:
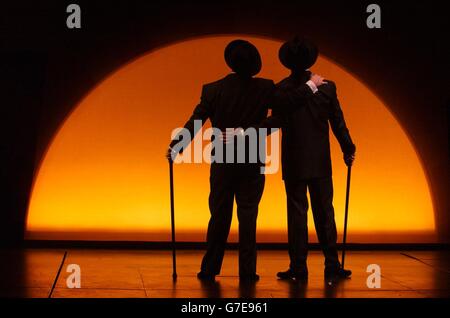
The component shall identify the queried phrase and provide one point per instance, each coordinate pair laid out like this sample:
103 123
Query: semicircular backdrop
105 177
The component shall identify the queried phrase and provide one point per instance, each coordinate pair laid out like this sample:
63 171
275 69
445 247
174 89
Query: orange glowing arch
104 176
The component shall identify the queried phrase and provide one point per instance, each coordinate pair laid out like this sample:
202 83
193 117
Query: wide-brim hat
298 54
243 58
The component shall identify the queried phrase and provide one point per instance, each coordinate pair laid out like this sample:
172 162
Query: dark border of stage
233 246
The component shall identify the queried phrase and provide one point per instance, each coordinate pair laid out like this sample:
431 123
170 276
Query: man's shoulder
329 88
213 85
285 83
209 90
263 81
330 83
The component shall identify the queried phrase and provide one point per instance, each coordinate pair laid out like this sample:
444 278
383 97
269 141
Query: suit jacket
232 102
305 129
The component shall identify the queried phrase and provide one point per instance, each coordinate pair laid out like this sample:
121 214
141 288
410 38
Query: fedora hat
298 54
243 58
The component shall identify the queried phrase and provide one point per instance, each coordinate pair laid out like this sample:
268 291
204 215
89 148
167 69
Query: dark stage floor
147 273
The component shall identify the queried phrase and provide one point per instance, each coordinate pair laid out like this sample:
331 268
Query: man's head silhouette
243 58
298 54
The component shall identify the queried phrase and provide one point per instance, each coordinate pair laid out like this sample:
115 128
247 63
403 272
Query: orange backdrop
104 176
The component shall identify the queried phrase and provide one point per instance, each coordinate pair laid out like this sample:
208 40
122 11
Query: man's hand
228 135
317 80
171 154
349 159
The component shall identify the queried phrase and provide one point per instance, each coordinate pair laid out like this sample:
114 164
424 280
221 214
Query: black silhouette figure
306 160
235 101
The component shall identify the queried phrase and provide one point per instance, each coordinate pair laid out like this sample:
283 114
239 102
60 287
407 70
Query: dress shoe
290 274
206 277
340 273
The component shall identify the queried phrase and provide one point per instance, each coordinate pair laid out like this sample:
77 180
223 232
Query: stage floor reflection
148 273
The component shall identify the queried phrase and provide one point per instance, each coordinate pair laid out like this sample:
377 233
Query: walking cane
347 198
172 219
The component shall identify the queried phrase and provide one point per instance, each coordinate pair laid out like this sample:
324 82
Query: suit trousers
321 195
228 182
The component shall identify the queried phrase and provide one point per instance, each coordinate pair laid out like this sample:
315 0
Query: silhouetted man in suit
235 101
306 160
